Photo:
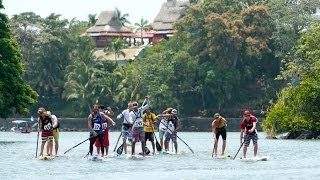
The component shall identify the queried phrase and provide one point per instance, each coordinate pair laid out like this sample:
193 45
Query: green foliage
289 20
116 47
298 107
217 48
15 94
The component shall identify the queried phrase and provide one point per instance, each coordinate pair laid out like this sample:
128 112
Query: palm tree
82 80
116 46
122 18
142 26
92 19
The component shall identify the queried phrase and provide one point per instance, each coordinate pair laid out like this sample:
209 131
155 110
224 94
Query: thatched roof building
107 26
170 12
108 22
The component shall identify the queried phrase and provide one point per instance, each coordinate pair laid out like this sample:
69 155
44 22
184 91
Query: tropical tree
116 48
15 94
290 19
92 19
143 25
297 108
122 18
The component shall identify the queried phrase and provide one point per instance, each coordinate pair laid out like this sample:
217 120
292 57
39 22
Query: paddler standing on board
219 128
105 127
135 118
248 126
125 129
45 124
95 125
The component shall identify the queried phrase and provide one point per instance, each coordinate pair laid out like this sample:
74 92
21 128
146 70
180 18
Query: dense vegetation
298 106
15 94
227 56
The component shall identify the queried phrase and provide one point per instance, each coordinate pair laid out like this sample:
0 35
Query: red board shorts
46 135
105 139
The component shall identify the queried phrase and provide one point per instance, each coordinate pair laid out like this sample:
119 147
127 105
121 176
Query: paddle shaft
115 147
135 89
238 150
82 142
158 146
37 144
178 137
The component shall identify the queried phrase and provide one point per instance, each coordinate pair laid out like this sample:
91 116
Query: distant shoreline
188 124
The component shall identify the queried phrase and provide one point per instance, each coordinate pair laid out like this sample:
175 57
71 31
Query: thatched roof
170 12
108 21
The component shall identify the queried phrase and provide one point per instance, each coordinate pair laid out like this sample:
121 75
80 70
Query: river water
288 159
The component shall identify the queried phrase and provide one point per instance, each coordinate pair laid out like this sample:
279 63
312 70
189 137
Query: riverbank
188 124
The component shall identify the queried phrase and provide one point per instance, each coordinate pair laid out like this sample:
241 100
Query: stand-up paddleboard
168 152
257 158
46 158
223 157
95 158
135 157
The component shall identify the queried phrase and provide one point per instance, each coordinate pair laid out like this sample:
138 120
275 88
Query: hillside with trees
226 56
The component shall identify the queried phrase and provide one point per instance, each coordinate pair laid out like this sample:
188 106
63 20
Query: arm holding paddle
90 125
254 124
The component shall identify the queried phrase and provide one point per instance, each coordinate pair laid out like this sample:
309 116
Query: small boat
21 126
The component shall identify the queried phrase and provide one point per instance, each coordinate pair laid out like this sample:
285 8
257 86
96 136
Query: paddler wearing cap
219 125
172 129
248 126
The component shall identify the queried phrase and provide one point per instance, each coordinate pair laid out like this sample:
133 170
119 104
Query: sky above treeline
80 9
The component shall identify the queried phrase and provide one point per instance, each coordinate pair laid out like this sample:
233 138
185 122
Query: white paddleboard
95 158
257 158
46 158
222 157
168 152
135 157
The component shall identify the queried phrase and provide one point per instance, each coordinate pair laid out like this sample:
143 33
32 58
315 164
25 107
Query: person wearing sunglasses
219 128
248 128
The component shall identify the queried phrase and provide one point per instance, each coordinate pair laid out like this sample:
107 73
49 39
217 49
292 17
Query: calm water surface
289 159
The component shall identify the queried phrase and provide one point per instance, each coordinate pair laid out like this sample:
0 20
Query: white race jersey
125 115
136 119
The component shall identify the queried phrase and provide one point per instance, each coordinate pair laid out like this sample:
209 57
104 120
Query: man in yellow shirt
149 119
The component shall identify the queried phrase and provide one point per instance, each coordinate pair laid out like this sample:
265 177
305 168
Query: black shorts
221 131
149 136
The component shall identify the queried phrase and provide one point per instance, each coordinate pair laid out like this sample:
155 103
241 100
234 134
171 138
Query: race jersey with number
149 120
97 122
136 119
46 124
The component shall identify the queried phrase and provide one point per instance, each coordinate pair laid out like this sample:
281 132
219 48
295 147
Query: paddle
117 141
178 137
81 143
158 146
37 144
135 89
120 149
238 150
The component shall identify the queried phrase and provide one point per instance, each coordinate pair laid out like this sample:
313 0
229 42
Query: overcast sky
80 9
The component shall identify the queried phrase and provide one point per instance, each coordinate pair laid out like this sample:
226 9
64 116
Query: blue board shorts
248 137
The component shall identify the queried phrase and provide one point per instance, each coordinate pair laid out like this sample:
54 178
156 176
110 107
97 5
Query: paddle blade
120 149
158 146
146 150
